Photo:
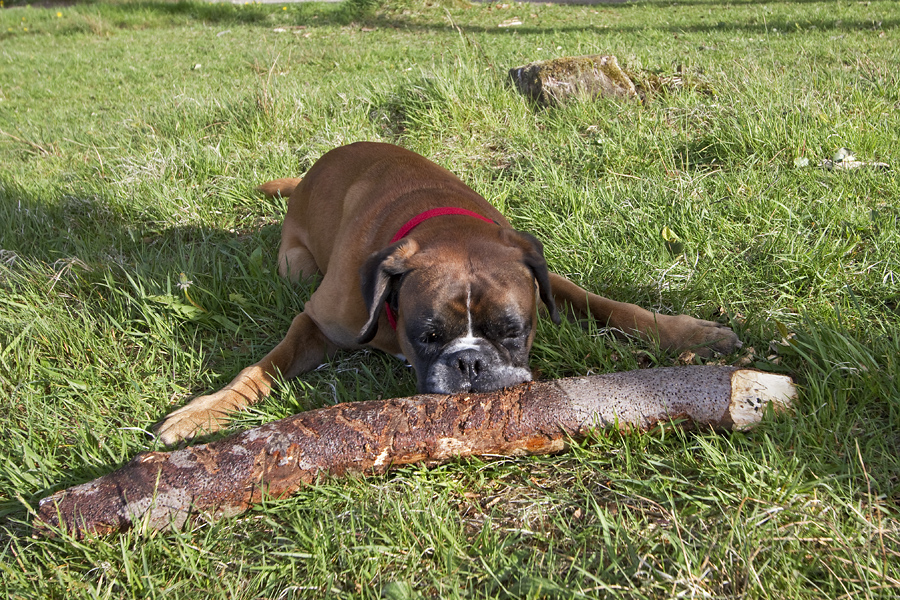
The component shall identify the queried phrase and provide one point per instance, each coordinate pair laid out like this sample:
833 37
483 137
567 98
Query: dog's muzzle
474 366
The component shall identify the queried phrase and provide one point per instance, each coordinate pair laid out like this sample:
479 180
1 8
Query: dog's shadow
218 290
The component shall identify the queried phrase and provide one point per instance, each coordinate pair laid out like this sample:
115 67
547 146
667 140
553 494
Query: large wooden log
160 490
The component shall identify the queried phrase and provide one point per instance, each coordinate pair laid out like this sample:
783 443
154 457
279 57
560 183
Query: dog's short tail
279 187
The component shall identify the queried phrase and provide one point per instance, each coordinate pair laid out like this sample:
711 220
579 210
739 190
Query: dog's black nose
469 364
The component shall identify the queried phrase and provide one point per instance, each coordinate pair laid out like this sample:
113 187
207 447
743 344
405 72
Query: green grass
132 134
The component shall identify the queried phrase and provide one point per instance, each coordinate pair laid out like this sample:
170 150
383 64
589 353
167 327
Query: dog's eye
509 332
429 337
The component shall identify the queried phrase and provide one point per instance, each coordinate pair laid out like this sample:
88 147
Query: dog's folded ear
378 277
534 260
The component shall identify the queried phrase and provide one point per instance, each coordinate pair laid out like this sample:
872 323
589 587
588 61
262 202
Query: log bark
161 490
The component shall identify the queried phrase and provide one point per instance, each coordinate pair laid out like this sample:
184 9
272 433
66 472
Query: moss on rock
552 81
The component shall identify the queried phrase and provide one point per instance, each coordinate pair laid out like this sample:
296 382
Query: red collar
415 222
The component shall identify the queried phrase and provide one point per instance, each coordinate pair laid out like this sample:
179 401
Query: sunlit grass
137 270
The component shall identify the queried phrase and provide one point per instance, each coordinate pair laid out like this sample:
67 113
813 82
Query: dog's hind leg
303 349
295 262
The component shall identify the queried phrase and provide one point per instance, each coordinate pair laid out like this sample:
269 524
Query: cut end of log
752 392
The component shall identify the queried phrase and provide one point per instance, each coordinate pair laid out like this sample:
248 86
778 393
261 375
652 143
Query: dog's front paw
206 414
703 338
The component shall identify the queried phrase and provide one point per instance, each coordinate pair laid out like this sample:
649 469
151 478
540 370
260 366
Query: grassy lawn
132 134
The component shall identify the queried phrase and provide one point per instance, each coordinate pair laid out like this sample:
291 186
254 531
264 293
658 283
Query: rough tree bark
159 490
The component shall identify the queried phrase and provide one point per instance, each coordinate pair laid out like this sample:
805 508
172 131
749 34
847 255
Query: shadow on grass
97 261
85 225
136 12
141 13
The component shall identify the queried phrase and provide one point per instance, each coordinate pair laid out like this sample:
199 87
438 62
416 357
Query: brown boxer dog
417 264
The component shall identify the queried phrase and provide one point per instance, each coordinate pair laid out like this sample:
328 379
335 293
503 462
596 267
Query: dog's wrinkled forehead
485 305
461 293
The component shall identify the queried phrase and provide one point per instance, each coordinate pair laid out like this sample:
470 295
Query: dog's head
466 313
